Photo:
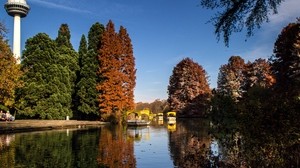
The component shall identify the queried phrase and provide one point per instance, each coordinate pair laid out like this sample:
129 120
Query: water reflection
187 143
101 147
190 143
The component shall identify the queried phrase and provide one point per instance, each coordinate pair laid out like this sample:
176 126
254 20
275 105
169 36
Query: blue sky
163 32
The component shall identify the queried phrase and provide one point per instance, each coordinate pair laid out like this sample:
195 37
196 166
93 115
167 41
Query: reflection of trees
115 151
7 151
190 143
52 149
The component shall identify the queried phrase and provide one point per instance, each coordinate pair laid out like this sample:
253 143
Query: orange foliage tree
117 74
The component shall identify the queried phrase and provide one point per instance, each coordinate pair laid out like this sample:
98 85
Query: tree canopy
117 74
235 15
47 89
87 78
188 89
10 72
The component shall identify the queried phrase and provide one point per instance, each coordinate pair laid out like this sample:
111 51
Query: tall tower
17 9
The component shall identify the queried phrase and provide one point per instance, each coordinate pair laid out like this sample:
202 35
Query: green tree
69 58
88 78
46 93
10 72
188 89
237 14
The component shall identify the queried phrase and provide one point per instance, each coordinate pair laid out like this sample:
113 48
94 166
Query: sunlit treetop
235 15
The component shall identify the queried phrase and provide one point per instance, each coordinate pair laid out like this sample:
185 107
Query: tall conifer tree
110 87
46 93
69 56
87 92
128 69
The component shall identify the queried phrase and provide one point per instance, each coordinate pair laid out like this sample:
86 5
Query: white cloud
288 10
260 51
59 5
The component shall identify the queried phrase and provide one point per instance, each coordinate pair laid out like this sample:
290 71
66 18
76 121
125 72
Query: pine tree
10 72
69 58
128 69
188 89
110 85
46 93
87 93
231 77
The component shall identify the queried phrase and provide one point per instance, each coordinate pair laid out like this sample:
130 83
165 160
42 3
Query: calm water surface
188 144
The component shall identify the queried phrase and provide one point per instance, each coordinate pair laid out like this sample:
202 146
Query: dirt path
38 125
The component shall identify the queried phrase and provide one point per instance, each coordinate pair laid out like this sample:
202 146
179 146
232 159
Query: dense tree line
265 115
97 82
157 106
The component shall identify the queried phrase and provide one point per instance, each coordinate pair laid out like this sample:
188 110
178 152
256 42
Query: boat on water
171 117
138 122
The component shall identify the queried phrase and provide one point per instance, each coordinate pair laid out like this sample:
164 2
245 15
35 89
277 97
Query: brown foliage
117 74
188 88
231 77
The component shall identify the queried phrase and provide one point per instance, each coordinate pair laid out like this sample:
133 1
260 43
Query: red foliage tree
188 89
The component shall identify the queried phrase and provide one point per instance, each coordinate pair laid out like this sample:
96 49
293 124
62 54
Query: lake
189 143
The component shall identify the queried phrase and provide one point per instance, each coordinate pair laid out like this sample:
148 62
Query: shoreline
18 126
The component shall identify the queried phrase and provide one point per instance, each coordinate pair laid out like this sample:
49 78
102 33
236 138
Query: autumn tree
47 89
88 78
116 72
258 73
231 77
110 87
235 15
10 73
286 59
128 69
188 89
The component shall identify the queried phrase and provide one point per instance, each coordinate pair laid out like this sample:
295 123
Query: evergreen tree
69 58
10 72
64 36
46 93
188 89
88 78
82 51
128 69
231 77
110 87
